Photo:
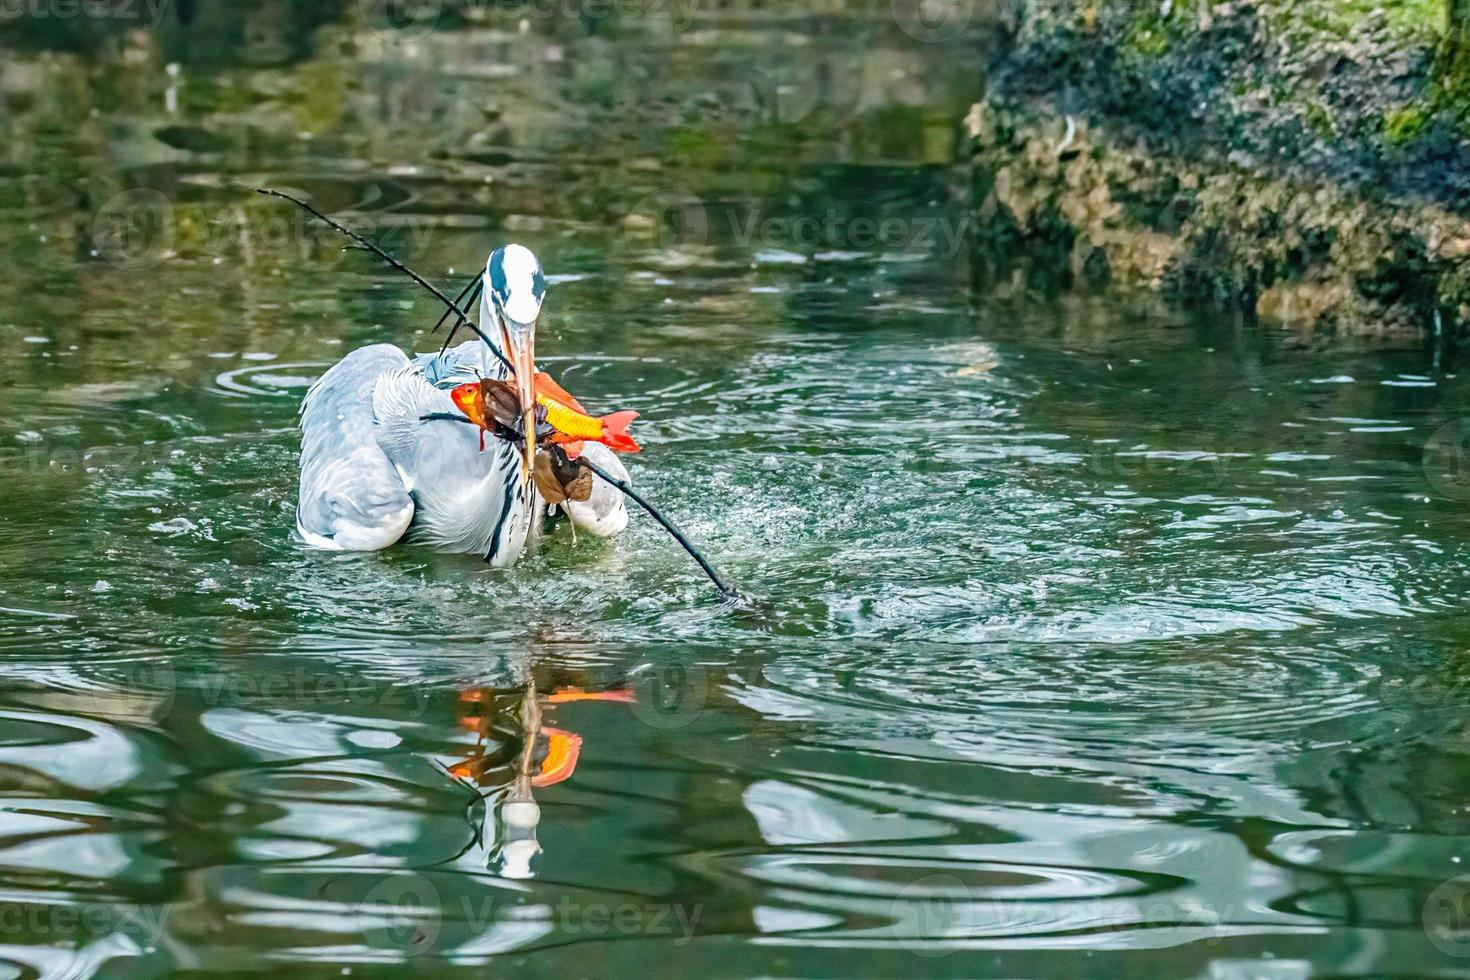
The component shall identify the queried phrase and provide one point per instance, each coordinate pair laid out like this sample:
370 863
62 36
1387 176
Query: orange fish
568 694
573 427
544 384
489 404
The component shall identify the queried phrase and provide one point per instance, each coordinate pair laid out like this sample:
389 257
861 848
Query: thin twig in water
628 491
477 829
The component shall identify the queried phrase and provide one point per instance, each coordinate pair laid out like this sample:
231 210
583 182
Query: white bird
373 469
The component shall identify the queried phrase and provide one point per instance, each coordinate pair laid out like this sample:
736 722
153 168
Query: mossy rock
1403 125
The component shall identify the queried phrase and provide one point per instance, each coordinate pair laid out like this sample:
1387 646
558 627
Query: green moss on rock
1303 253
1320 119
1402 125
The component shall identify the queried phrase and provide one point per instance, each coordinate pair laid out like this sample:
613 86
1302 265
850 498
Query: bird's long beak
523 360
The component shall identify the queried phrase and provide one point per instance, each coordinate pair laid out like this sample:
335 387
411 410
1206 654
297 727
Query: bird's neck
490 330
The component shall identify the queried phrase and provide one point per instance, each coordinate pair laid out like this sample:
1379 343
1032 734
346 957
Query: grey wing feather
352 497
400 400
469 361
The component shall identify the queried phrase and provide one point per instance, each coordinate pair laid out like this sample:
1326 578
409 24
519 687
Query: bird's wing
400 401
469 361
352 497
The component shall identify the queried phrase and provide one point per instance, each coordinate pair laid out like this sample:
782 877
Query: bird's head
514 288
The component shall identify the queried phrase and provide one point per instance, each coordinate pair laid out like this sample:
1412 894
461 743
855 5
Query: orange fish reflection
514 753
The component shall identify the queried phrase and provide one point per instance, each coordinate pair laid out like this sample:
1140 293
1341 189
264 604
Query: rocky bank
1307 162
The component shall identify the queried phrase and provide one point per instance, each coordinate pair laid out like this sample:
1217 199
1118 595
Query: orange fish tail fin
562 751
615 432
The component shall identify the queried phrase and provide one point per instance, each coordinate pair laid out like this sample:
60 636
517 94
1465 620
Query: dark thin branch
369 246
456 307
473 290
628 491
477 797
474 790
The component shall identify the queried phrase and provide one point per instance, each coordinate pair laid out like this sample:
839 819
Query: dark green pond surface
1084 639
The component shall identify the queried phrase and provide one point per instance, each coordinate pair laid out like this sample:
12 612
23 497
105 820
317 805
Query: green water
1085 639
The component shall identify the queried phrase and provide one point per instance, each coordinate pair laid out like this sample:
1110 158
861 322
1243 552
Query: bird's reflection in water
515 753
